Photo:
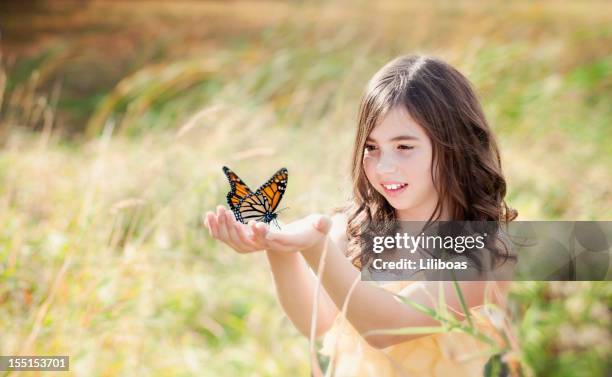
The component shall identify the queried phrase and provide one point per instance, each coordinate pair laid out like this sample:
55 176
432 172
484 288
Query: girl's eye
370 147
405 147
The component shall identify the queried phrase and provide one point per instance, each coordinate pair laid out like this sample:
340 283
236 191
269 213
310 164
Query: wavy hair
466 166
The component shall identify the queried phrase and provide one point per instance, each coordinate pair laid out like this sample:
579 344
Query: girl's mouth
394 189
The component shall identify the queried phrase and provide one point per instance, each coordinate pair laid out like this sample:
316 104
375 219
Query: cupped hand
256 236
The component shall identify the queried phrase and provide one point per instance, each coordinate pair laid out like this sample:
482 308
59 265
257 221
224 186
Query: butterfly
259 205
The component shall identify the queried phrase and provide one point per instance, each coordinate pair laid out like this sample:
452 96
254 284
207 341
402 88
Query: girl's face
397 163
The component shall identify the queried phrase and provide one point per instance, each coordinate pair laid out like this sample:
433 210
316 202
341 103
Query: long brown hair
466 166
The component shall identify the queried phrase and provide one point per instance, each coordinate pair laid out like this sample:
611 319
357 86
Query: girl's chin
399 204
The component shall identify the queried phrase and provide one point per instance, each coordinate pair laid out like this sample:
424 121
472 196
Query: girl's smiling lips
393 188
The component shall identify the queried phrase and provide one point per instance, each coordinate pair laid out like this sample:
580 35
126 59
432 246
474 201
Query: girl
423 152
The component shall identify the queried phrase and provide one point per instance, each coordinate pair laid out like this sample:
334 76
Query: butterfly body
269 217
259 205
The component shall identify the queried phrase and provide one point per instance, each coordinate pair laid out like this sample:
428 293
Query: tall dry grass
102 253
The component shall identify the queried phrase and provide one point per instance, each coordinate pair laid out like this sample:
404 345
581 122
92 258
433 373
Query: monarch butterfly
259 205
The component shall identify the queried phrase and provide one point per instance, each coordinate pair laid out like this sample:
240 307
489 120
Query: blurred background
116 117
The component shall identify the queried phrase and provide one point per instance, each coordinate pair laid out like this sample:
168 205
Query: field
115 120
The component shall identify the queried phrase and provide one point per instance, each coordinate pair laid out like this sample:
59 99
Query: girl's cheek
369 161
369 166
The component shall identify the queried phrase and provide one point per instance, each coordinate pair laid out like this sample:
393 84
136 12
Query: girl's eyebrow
397 138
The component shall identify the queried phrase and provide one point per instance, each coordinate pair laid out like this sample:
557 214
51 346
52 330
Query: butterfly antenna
282 209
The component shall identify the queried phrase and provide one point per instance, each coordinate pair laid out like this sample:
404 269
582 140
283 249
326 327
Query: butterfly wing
252 207
260 206
239 190
274 189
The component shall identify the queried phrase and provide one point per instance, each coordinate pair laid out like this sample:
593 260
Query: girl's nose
385 166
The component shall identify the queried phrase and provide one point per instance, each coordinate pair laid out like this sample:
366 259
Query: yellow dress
454 353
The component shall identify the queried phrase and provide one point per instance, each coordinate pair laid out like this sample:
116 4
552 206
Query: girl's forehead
396 123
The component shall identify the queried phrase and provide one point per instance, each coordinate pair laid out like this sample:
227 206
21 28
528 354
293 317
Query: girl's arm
296 284
374 308
370 307
294 281
295 287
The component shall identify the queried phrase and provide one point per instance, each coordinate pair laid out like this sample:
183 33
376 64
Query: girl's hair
466 166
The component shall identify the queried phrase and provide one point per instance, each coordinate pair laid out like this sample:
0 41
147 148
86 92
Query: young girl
423 152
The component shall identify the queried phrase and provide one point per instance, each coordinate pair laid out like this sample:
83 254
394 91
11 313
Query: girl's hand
223 226
298 235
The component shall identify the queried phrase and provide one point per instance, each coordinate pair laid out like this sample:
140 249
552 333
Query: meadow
116 118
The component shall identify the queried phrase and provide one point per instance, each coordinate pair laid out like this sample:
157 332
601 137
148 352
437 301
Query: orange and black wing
260 206
273 190
239 190
253 207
